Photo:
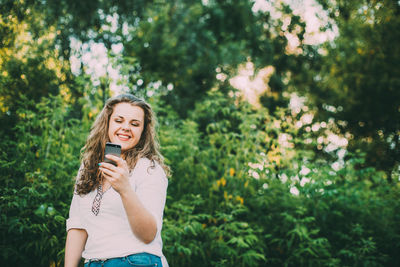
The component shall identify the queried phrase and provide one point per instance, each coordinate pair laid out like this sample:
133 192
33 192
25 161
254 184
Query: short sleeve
74 220
151 188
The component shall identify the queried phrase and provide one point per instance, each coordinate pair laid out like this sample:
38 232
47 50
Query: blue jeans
139 260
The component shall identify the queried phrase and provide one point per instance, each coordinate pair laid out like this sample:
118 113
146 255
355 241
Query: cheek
111 128
138 133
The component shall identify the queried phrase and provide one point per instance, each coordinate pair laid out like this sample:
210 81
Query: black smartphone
113 149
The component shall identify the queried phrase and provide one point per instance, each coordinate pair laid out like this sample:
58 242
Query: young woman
116 213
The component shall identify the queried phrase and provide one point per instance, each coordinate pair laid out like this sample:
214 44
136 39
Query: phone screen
113 149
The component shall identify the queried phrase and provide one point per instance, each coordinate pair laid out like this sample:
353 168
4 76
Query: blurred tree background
283 140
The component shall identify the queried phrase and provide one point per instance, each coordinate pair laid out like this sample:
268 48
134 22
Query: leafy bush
237 196
38 166
256 208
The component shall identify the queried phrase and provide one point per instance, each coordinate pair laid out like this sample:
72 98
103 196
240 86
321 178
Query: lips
123 137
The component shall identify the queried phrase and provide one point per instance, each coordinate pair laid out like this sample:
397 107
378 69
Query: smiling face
126 125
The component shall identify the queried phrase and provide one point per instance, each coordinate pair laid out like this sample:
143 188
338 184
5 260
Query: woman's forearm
76 240
142 222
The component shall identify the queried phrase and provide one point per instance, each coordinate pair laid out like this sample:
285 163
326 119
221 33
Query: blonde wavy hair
89 176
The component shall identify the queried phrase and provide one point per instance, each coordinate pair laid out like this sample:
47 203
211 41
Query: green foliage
37 169
359 77
238 195
223 216
182 43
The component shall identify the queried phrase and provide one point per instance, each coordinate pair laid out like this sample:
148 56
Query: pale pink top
109 233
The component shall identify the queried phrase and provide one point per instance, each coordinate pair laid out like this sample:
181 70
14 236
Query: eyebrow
122 117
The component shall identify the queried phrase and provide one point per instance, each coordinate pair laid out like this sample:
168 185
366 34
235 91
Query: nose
125 127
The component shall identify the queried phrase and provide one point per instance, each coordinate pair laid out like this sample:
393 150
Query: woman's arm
140 215
142 223
76 240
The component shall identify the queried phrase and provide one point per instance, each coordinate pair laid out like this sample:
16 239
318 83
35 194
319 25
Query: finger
118 160
106 172
107 165
109 178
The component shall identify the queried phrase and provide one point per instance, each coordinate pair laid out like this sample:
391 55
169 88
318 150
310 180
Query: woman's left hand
118 176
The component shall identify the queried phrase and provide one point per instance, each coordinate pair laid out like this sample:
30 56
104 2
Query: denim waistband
145 259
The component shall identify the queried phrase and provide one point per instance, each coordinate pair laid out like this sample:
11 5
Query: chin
126 147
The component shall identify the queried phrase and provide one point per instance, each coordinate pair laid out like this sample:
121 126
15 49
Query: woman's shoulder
149 171
150 166
143 161
146 162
